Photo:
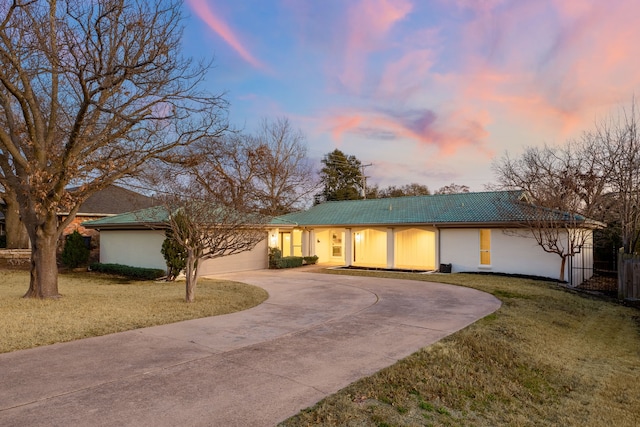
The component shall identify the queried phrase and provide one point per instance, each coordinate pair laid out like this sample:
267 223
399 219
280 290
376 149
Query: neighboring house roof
495 207
114 200
156 216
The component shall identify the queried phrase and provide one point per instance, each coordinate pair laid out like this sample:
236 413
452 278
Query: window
485 247
336 244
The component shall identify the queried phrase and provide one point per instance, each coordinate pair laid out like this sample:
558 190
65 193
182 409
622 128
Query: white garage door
255 259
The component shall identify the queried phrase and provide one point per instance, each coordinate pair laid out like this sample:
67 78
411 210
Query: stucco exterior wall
255 259
141 248
137 248
512 251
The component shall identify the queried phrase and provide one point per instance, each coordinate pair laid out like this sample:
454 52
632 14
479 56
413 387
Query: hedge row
288 262
291 261
128 271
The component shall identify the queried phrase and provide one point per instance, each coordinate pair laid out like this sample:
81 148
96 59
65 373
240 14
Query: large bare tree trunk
44 269
17 237
191 273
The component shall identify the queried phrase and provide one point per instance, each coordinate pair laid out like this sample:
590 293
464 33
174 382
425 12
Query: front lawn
94 305
548 356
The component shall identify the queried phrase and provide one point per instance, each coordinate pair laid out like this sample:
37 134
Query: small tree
208 228
75 252
175 256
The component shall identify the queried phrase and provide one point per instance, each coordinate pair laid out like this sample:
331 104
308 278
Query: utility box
445 268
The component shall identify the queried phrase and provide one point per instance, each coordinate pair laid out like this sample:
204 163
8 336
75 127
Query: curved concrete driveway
315 334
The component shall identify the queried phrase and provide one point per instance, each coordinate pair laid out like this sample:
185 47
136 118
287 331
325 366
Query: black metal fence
589 271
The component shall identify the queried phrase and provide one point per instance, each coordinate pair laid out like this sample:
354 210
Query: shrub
175 255
289 262
75 252
275 255
310 259
128 271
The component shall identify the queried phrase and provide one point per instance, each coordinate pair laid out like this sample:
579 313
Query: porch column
391 248
291 242
348 247
273 238
305 243
312 243
437 257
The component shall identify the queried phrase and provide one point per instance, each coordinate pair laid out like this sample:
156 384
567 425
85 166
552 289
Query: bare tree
616 149
597 176
90 91
268 170
453 188
562 233
564 187
413 189
211 226
285 178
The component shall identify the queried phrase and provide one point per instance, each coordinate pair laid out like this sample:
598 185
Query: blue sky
428 91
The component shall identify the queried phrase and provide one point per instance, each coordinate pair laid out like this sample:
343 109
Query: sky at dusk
428 91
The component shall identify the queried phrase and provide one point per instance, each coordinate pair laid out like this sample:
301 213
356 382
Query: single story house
468 232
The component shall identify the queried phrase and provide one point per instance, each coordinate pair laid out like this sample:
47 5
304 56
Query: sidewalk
315 334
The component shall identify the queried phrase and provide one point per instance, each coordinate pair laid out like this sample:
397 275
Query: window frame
485 247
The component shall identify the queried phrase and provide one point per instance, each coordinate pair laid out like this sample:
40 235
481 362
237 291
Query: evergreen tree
175 255
75 252
341 177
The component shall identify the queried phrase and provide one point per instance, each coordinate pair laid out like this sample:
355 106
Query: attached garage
255 259
136 238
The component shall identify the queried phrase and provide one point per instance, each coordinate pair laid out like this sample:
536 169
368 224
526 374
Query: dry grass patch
546 357
94 305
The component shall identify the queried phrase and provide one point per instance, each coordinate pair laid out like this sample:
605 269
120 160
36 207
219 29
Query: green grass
94 305
548 356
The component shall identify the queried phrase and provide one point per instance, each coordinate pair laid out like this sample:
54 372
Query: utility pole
364 180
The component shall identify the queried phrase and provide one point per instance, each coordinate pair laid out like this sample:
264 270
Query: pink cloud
403 77
448 133
369 23
207 15
552 63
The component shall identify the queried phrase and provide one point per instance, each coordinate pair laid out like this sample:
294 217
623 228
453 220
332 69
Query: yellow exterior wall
370 247
325 243
415 249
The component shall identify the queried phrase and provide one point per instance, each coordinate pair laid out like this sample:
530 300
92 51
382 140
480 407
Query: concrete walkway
315 334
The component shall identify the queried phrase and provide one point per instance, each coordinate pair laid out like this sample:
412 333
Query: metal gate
581 266
589 273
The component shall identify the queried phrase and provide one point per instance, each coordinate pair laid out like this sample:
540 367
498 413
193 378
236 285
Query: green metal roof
495 207
442 209
156 215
